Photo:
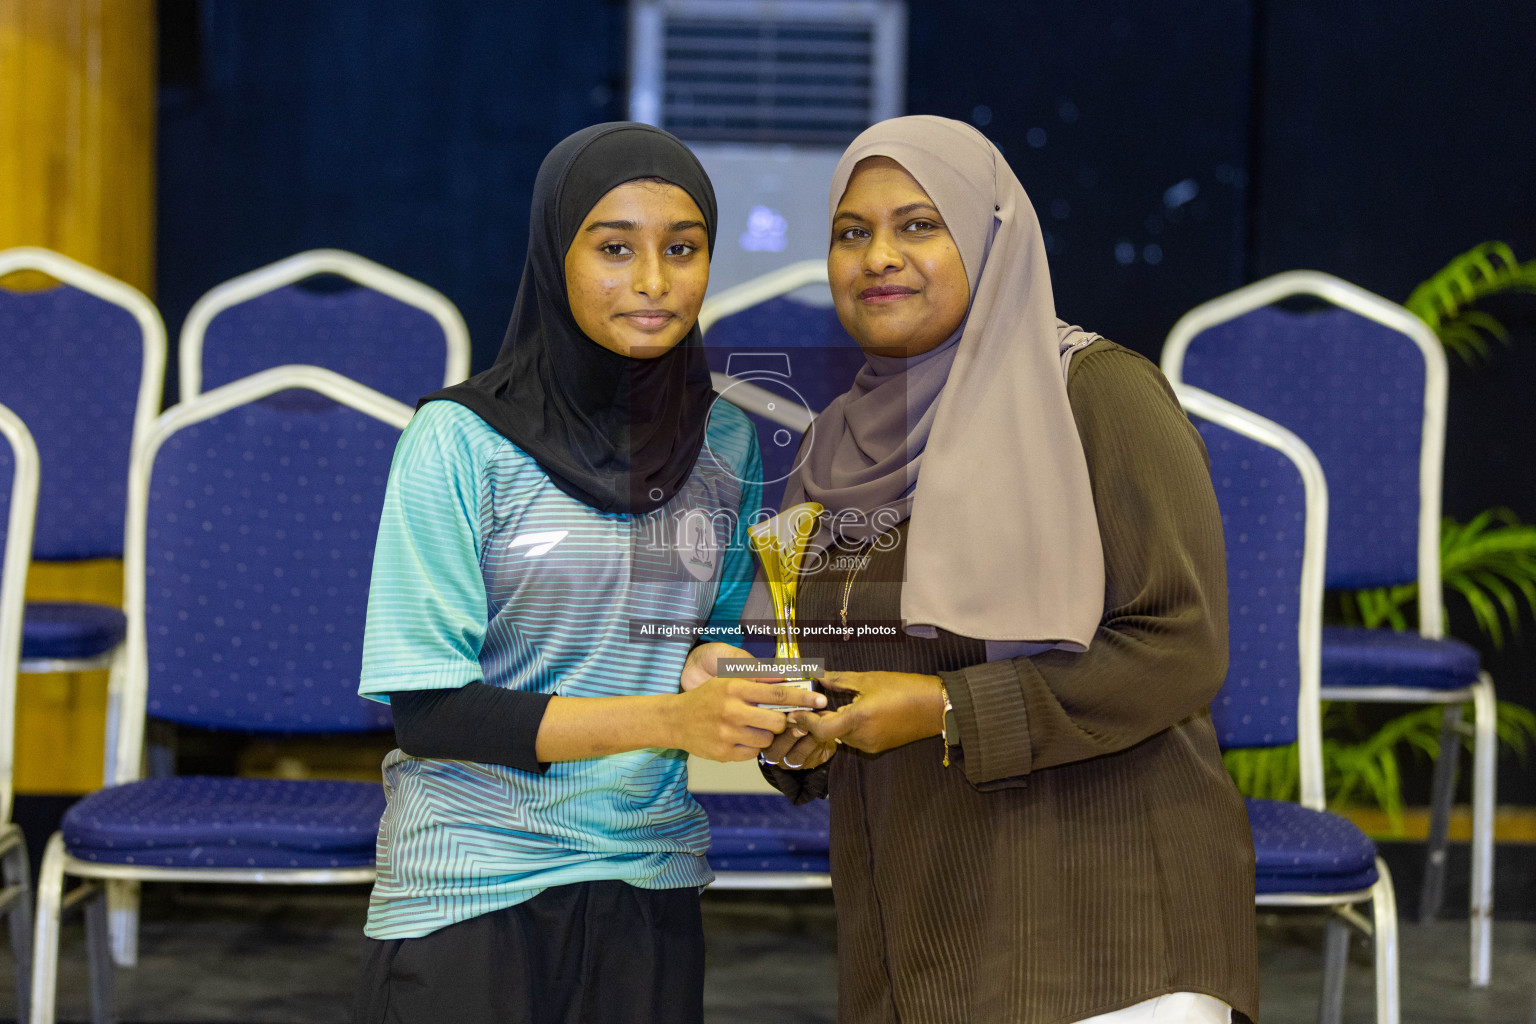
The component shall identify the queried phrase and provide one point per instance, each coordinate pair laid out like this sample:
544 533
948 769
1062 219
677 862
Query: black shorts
601 952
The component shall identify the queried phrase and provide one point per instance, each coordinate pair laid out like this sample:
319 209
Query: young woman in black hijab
540 858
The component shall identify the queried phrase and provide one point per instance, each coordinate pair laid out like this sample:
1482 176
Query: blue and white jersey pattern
487 570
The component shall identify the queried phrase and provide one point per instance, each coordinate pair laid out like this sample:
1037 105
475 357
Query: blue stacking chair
253 514
18 510
759 840
85 368
1363 383
1274 511
382 329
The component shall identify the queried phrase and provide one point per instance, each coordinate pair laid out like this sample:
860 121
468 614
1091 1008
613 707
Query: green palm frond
1267 773
1516 725
1366 771
1443 301
1490 562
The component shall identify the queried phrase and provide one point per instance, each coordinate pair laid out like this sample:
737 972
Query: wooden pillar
61 717
77 132
77 175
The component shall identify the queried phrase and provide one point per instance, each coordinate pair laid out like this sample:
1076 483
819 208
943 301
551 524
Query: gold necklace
858 563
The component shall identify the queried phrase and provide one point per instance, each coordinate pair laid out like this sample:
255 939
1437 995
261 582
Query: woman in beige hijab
1031 822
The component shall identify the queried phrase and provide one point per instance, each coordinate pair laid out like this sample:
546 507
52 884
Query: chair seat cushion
71 630
1383 657
217 822
748 825
810 864
1297 849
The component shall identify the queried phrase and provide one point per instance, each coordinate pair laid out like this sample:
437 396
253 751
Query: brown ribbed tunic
1086 850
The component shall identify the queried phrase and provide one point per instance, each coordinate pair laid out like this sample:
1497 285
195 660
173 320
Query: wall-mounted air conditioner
767 93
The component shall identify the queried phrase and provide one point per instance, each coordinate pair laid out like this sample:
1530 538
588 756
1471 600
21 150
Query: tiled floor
231 955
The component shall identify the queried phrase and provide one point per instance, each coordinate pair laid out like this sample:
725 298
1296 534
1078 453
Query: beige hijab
975 440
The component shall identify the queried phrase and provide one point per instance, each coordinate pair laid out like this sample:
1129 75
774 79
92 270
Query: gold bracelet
944 720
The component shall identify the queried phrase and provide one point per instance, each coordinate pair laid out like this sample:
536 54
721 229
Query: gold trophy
780 544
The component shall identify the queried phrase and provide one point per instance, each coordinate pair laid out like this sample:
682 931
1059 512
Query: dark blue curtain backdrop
1380 138
1394 136
410 133
407 132
1173 151
1127 124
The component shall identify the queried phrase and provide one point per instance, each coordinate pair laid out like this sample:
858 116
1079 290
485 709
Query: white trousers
1173 1008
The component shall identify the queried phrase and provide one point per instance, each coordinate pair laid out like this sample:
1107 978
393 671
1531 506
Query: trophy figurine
780 545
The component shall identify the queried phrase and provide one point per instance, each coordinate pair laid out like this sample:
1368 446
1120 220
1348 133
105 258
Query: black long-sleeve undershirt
474 722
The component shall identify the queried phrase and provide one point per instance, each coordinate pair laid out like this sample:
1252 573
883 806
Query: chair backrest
1274 511
387 331
778 358
18 510
85 365
1363 382
253 514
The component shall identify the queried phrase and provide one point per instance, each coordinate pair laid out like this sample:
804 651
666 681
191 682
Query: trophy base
799 684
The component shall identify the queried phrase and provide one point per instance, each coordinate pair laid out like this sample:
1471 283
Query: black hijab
619 434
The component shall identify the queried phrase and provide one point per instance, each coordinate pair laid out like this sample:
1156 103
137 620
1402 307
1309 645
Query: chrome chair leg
1384 942
1443 794
1485 747
1335 964
17 875
98 948
123 922
45 945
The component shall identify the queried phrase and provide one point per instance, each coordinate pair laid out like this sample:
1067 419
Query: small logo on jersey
537 543
696 544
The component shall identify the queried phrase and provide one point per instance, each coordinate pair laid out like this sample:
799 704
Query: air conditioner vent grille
765 72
